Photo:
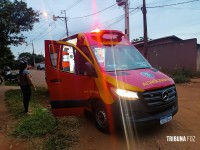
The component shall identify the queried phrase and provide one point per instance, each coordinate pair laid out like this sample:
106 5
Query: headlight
126 94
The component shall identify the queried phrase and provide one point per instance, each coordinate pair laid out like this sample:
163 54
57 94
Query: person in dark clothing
25 83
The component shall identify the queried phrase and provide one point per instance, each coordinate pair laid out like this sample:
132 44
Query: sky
164 18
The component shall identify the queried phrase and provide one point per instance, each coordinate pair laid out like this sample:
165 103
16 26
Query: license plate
165 119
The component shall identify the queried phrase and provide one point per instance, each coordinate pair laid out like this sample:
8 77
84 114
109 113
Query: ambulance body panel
105 74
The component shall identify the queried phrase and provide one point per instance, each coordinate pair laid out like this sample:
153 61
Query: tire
102 120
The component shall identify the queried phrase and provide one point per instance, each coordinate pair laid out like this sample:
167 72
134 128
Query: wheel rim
101 117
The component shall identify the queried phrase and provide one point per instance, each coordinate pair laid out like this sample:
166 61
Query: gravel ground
38 77
185 123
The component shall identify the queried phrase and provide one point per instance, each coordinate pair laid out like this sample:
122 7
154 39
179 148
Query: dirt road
6 142
186 123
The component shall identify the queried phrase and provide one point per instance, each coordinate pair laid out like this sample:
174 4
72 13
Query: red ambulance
102 72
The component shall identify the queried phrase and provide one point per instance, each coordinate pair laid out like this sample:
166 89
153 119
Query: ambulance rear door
69 86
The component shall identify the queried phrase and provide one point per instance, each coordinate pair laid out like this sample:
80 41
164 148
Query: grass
38 124
41 129
184 76
65 138
60 141
10 83
180 78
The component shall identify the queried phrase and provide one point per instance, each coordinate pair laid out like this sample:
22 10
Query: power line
119 18
167 5
93 13
51 24
159 2
24 48
178 8
46 33
122 16
38 36
35 29
73 5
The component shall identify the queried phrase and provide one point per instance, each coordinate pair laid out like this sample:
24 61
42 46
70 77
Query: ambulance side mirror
90 71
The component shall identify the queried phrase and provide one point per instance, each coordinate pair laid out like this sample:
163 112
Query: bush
182 76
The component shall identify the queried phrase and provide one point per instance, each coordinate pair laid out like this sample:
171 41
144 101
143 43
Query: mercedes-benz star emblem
165 95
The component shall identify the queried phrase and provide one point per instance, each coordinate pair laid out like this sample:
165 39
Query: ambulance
103 73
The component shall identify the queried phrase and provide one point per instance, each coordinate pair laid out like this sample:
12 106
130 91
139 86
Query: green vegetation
38 124
16 19
8 83
26 56
40 128
180 78
65 138
183 76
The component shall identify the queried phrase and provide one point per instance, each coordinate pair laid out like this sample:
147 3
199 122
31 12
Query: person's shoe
28 112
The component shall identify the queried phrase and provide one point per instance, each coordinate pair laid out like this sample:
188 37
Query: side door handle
56 80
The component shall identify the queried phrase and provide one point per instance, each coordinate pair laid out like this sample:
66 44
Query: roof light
96 30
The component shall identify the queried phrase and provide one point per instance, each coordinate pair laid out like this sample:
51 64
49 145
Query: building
172 53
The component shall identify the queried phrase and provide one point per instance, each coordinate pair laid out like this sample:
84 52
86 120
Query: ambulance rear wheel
101 118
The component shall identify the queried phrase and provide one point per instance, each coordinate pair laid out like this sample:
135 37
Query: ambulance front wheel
101 118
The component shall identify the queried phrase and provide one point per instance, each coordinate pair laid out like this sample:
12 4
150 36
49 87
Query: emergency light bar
96 30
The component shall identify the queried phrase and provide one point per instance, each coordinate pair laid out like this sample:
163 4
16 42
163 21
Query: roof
172 38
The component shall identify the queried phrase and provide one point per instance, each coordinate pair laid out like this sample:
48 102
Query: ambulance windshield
119 57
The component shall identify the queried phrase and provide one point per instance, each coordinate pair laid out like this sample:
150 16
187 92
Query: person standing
25 83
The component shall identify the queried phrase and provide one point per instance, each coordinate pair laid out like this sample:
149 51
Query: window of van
67 59
120 57
72 61
53 51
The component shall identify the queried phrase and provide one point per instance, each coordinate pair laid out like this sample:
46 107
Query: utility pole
65 18
127 30
126 9
144 11
33 55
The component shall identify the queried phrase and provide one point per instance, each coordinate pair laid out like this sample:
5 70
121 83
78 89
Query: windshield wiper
142 68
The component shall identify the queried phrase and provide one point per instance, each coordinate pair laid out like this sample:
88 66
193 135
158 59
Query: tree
28 57
25 57
16 18
39 58
140 39
6 54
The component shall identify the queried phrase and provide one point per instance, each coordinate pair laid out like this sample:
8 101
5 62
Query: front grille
159 98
